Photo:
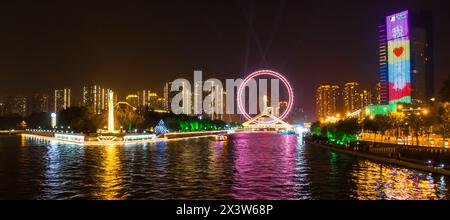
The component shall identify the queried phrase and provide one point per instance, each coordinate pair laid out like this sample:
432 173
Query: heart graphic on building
398 51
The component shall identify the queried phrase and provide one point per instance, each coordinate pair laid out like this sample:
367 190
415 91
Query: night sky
129 46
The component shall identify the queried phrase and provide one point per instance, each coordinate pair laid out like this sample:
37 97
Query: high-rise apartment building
96 97
326 101
160 103
376 98
365 99
2 109
406 58
351 97
40 102
17 105
133 100
167 95
153 100
185 106
148 99
62 99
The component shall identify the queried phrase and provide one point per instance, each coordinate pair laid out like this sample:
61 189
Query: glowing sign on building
399 58
399 69
397 25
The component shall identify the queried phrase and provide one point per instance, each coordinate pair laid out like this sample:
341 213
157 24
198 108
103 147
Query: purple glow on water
248 166
259 163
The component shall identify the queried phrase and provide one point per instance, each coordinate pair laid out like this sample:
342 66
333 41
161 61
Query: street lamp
53 120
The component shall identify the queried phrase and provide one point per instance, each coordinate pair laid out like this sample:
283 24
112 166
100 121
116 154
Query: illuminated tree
342 133
316 128
23 125
161 128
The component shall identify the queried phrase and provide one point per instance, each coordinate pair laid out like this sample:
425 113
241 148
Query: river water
248 166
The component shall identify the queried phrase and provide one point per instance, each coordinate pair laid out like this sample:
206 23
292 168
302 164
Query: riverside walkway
398 162
424 141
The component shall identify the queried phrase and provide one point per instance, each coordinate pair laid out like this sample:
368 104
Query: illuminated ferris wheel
273 119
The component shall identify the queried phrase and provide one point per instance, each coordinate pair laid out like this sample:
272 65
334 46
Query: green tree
129 119
39 119
396 121
371 125
347 130
341 132
384 124
443 119
80 119
415 122
316 128
10 122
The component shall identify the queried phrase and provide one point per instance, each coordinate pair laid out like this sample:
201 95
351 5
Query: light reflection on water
110 177
384 182
256 164
248 166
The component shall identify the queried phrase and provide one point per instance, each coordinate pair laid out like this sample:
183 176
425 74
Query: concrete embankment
88 140
397 162
177 135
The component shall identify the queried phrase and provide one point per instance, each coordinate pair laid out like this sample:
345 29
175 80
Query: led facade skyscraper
405 58
383 68
399 58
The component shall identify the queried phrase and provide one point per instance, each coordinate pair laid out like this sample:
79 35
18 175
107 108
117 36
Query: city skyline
224 103
134 51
